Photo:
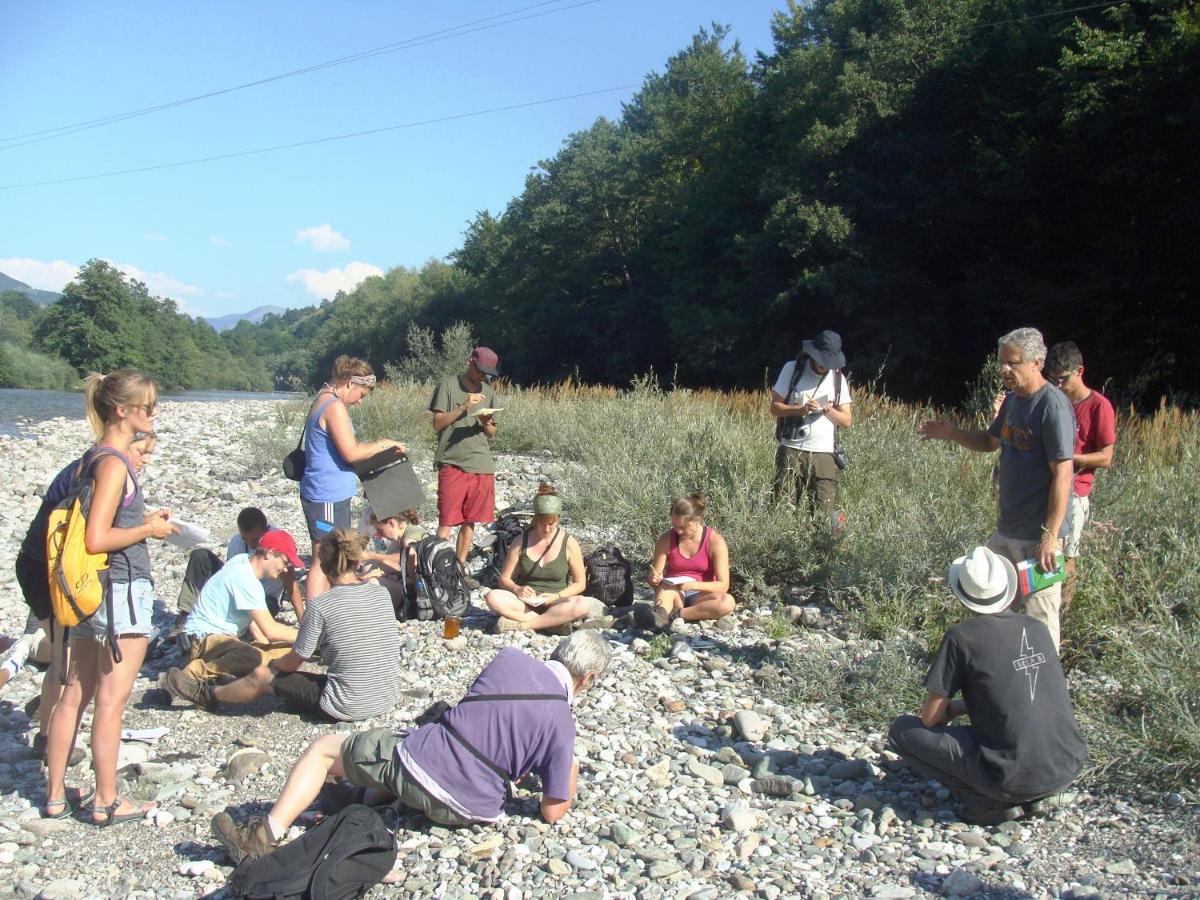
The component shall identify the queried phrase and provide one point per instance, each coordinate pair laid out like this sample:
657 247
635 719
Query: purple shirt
519 736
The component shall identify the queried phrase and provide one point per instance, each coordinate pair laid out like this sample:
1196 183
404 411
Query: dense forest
920 175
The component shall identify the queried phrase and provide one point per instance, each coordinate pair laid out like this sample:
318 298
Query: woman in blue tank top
119 405
330 451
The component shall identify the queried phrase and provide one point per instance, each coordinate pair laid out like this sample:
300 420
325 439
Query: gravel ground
695 781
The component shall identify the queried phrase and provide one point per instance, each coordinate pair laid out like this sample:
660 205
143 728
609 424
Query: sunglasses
1059 380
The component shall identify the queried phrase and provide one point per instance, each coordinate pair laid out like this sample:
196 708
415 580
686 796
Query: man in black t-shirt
1022 744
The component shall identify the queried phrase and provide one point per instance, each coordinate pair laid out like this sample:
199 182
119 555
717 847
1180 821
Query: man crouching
514 719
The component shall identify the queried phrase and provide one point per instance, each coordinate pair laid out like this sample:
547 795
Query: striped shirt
353 628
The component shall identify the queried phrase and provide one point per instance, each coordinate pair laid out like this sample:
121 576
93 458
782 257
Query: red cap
486 360
280 540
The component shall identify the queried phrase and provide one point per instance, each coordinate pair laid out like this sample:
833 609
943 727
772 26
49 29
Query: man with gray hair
458 769
1035 433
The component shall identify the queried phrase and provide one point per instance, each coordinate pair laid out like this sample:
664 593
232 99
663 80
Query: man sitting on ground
230 631
203 564
456 770
351 628
1022 745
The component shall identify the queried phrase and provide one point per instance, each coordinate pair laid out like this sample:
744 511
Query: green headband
547 505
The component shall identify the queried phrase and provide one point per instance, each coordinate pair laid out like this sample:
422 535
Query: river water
20 406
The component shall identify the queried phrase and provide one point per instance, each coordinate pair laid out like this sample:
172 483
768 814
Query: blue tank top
328 478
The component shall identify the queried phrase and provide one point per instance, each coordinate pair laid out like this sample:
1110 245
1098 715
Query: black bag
293 463
345 856
609 577
508 530
441 590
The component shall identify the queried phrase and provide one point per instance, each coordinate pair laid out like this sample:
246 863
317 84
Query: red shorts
465 496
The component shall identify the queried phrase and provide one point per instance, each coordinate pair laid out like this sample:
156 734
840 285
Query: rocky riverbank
698 779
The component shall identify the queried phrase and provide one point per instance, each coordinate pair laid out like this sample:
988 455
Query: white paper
145 735
190 534
677 579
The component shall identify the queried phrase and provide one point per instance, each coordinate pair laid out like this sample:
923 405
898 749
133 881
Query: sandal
110 813
69 808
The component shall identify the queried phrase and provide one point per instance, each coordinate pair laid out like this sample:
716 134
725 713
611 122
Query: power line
466 28
322 140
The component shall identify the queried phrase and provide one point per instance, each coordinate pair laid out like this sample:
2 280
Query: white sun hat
984 581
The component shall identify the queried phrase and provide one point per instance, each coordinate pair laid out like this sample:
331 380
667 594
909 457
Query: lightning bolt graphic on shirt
1029 661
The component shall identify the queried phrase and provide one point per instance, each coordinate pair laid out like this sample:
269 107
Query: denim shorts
142 593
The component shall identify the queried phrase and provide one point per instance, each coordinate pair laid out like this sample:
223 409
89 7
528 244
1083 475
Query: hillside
41 298
256 315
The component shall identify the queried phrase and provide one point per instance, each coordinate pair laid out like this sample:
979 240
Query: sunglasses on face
1059 380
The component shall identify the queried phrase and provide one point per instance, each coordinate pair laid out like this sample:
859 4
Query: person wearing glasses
463 459
1095 438
330 451
1035 434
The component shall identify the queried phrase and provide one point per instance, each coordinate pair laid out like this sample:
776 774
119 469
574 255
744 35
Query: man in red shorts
466 473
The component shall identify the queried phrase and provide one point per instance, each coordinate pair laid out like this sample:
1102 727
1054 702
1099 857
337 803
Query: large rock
750 725
244 763
738 817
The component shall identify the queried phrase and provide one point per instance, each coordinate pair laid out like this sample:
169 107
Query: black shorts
34 580
302 690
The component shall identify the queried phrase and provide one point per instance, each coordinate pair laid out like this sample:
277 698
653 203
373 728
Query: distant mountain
223 323
41 298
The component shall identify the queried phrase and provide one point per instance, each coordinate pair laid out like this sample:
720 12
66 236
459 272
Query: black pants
302 690
202 565
950 754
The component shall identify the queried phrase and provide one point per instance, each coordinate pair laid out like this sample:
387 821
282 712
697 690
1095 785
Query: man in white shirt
808 408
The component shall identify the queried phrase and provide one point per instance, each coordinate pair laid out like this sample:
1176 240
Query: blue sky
291 227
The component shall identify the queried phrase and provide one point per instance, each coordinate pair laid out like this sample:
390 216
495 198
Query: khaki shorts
1081 508
369 760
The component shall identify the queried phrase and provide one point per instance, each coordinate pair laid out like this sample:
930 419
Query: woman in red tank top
690 570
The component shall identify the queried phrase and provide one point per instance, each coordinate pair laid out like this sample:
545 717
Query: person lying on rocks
543 578
350 627
202 564
230 630
689 572
396 567
1022 746
456 769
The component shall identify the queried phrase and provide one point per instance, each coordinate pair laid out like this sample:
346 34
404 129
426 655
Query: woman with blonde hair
330 451
119 405
543 578
689 572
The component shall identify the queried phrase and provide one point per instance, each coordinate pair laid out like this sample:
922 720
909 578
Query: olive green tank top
548 578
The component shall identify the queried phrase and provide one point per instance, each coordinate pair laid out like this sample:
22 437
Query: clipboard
392 486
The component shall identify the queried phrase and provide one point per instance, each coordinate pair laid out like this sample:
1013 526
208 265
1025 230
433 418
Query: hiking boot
504 624
988 815
38 747
184 687
651 617
596 623
249 841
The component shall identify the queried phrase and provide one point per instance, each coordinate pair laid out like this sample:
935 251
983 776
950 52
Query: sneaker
249 841
38 747
184 687
1037 809
651 617
21 648
504 624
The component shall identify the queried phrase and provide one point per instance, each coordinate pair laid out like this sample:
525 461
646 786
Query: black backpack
609 577
508 530
345 856
441 590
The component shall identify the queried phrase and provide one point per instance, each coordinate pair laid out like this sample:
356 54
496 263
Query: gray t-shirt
353 628
1034 431
1008 672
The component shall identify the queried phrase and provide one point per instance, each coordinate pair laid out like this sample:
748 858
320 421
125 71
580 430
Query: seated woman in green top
542 581
396 567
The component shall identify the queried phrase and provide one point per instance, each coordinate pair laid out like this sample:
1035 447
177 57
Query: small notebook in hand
486 411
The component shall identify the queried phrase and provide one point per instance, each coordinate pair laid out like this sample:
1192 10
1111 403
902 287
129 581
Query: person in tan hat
1022 746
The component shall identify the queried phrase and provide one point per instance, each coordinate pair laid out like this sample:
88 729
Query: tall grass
1133 632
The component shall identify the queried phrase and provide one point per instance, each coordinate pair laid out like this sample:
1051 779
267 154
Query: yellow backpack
78 579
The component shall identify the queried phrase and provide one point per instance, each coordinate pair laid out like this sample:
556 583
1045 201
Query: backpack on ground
345 856
441 590
509 530
79 581
609 576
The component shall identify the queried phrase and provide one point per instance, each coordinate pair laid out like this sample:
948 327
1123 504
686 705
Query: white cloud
159 283
326 284
45 276
151 236
323 237
219 241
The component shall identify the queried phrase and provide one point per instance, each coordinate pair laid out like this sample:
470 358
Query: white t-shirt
821 430
273 587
